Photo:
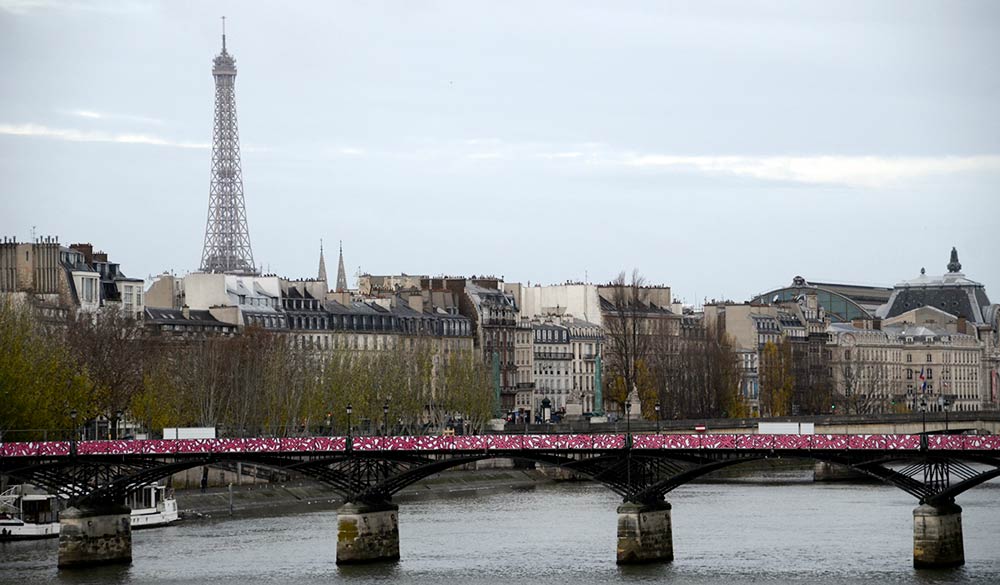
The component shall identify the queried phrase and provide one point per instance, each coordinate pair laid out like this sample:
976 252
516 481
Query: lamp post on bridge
657 409
944 403
72 436
385 419
628 444
923 415
628 422
350 441
923 423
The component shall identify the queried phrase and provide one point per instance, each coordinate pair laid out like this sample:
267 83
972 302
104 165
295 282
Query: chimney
186 311
87 250
417 303
962 324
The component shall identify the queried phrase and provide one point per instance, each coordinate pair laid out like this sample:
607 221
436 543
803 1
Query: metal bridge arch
641 471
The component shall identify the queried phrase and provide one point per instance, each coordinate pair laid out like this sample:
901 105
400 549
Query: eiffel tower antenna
227 237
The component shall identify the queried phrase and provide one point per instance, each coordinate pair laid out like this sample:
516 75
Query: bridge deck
480 443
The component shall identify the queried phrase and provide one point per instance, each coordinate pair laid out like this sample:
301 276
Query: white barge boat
26 514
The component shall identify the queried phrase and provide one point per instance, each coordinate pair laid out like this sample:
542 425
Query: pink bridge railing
506 442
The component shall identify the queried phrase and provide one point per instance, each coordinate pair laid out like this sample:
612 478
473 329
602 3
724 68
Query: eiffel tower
227 238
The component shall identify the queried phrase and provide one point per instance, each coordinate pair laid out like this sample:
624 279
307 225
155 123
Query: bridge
96 476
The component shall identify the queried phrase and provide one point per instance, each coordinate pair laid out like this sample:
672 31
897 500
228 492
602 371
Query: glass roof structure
840 308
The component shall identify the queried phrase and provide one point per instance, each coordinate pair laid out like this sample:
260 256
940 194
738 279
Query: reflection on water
780 530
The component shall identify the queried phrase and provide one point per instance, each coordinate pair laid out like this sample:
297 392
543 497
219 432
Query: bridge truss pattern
641 468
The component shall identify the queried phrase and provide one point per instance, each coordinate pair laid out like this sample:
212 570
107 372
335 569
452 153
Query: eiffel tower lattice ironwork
227 237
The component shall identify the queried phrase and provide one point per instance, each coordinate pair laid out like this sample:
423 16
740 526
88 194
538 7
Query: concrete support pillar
827 472
645 533
937 536
95 535
367 533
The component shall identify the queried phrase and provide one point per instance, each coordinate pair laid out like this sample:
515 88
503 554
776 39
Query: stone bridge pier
95 534
937 536
367 532
645 533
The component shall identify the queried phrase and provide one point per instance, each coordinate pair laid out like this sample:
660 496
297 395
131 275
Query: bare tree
864 386
627 339
108 345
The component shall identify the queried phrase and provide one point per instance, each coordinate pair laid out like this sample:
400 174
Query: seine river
783 529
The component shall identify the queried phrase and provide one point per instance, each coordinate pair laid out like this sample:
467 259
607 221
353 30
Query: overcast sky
720 148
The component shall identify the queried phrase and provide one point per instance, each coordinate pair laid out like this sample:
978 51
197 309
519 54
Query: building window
928 358
909 358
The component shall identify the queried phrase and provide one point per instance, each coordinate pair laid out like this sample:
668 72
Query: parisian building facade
931 342
56 280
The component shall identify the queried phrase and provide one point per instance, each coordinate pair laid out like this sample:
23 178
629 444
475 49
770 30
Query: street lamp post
657 408
923 415
628 422
944 403
628 444
947 404
385 418
118 420
350 442
923 423
72 436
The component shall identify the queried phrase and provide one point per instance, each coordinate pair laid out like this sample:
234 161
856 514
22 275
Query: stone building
597 306
56 280
586 344
898 365
524 362
116 288
553 366
371 284
184 325
312 317
494 315
933 339
578 299
801 323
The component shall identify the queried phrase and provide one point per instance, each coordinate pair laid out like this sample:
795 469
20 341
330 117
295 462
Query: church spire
341 273
954 265
322 263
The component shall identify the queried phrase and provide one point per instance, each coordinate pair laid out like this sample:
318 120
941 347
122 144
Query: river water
778 529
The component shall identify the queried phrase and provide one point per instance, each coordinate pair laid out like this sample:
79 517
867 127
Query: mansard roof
159 316
608 306
951 293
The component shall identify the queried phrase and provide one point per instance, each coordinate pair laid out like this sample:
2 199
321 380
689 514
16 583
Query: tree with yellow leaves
777 383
